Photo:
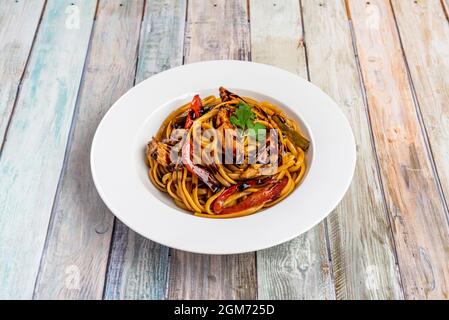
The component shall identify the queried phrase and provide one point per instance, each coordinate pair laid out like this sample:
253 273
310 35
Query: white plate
120 173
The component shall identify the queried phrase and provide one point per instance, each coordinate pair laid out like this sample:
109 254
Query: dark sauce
205 110
243 186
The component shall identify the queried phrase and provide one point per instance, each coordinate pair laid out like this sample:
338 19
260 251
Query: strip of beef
223 118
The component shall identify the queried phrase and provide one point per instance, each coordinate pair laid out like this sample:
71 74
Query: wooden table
64 63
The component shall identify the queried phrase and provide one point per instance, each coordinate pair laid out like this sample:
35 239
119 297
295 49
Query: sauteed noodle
227 156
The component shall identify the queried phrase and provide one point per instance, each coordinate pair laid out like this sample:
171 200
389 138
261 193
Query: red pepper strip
201 173
219 202
189 122
258 198
194 111
196 105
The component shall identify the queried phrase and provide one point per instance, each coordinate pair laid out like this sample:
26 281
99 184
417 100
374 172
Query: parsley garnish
244 118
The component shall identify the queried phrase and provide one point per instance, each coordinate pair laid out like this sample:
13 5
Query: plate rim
348 176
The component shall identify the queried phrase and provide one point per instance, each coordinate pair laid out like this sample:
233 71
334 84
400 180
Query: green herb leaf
260 131
244 118
234 121
244 115
258 126
255 133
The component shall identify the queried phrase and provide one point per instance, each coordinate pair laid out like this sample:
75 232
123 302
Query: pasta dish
227 156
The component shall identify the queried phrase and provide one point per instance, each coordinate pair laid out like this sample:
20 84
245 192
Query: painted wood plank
363 253
424 32
415 207
195 276
18 24
162 37
77 247
138 267
33 152
215 30
298 269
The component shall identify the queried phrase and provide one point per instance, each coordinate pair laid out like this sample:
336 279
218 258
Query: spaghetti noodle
227 156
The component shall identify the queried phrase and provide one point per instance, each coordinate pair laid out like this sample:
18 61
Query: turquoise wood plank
33 153
76 253
138 267
18 23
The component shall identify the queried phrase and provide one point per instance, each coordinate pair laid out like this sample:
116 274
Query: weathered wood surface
77 247
214 30
416 210
389 238
217 30
33 152
298 269
195 276
424 31
138 267
16 18
162 37
363 253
